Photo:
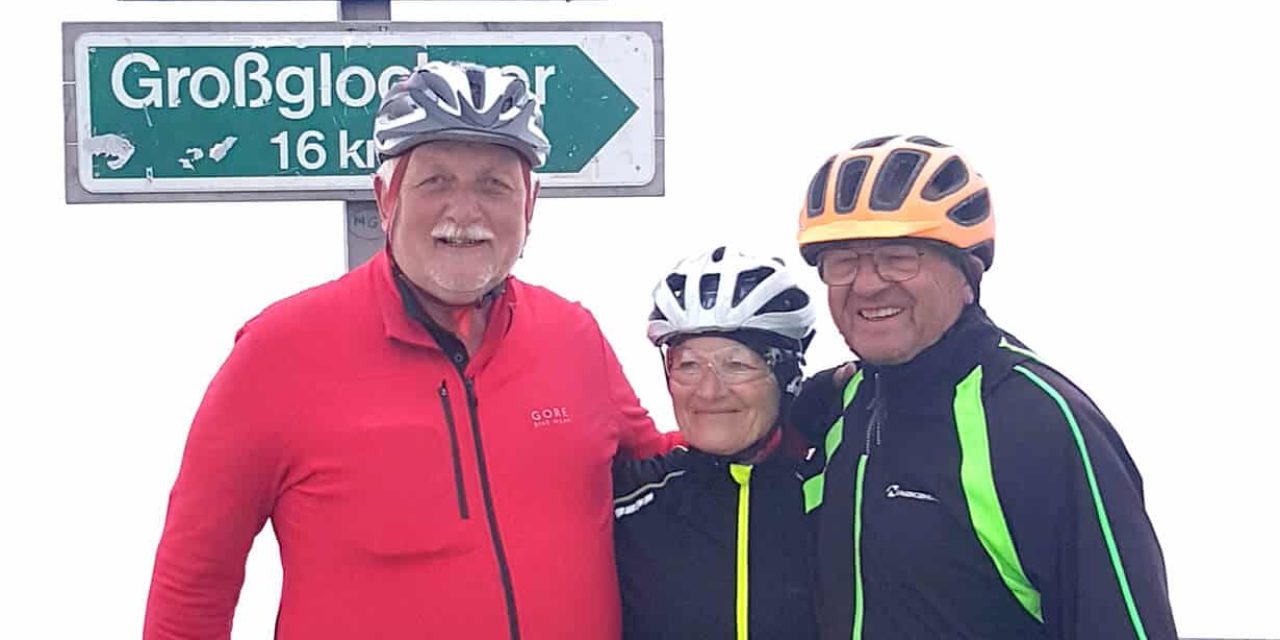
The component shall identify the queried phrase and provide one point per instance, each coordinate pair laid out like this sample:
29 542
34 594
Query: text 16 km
309 151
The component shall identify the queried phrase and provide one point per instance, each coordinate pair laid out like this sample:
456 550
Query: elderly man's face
463 214
891 320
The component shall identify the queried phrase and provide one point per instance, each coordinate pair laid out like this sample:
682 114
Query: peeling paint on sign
219 150
117 148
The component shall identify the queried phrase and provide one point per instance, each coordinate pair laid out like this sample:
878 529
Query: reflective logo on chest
549 416
896 491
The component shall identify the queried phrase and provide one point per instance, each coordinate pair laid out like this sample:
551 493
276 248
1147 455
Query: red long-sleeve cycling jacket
411 497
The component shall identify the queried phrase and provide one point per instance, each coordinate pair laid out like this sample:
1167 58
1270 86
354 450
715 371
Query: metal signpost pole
364 231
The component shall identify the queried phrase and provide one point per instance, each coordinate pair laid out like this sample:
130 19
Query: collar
950 358
404 320
782 445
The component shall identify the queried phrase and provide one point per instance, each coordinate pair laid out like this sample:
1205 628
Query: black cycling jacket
711 549
975 492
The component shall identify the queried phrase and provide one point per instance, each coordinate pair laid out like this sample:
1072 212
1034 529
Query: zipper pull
877 413
871 424
471 393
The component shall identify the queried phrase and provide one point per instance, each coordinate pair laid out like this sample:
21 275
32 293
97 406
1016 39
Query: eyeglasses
893 262
733 365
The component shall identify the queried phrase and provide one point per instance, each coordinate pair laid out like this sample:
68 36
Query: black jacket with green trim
975 492
684 554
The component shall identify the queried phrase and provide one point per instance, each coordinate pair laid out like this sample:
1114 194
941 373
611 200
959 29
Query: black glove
817 406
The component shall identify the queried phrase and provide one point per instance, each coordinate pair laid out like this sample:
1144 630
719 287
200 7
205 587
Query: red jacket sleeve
638 437
224 492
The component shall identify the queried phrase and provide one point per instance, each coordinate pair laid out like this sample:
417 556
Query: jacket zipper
486 494
877 414
456 352
453 449
741 474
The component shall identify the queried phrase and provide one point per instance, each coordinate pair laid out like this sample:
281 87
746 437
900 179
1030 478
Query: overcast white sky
1130 149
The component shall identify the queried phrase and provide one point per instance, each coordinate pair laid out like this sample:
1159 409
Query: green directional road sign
285 110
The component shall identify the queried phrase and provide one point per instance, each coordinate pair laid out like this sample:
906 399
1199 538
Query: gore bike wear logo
896 491
549 416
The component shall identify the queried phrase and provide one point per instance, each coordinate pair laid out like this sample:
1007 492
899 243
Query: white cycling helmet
465 102
726 291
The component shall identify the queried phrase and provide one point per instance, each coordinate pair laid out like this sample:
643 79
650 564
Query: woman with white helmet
711 540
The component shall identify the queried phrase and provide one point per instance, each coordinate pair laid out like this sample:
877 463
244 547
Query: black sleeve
632 476
1074 503
817 407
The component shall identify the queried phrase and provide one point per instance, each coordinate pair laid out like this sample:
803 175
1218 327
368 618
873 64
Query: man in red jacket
430 437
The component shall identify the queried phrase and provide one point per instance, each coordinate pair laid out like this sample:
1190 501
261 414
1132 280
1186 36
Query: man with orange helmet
971 491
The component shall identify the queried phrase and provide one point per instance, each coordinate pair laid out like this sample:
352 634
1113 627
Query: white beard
462 282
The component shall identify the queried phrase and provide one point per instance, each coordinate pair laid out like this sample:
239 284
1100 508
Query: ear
386 188
976 265
381 198
976 269
969 268
535 186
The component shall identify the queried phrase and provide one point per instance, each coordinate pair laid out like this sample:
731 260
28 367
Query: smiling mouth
880 313
459 243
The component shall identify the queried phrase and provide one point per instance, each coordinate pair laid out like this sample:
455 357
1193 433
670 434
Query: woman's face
724 395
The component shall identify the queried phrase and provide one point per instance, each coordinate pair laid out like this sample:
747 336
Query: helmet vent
675 282
747 281
849 182
718 254
434 87
895 178
475 78
873 143
790 300
946 180
708 286
971 210
927 141
818 189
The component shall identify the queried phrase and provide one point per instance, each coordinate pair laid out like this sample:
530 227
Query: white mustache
451 231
